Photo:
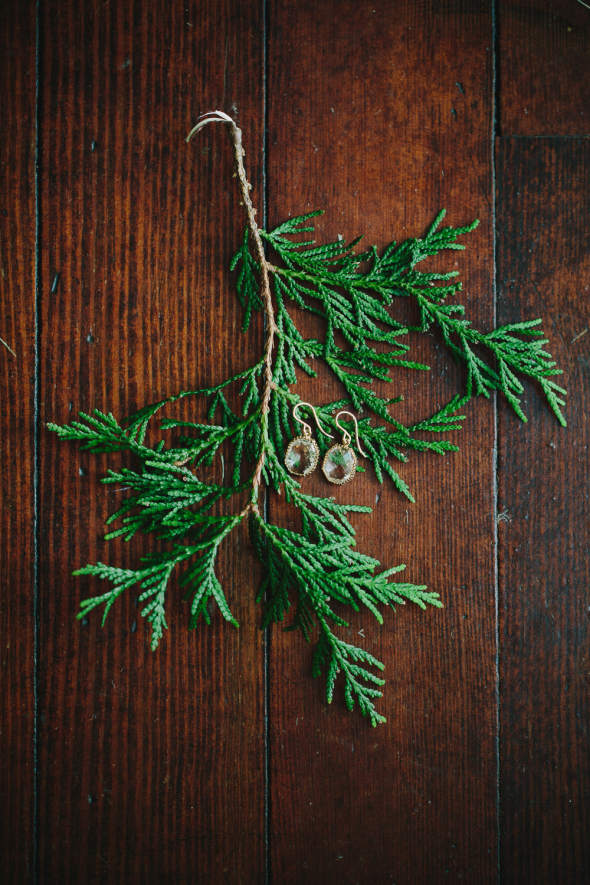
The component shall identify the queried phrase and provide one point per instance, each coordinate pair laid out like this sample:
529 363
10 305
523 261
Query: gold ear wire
303 452
346 435
305 425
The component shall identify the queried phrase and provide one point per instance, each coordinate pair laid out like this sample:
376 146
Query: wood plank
17 439
381 114
151 764
543 269
543 67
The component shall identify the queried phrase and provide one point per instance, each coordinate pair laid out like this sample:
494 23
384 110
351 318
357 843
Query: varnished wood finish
151 767
17 441
356 128
151 764
543 67
544 269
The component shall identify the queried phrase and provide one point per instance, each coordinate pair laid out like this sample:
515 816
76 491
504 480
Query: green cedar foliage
310 576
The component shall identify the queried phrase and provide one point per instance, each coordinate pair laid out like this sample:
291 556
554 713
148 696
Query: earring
303 453
340 462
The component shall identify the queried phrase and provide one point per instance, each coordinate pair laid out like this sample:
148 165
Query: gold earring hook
305 425
346 435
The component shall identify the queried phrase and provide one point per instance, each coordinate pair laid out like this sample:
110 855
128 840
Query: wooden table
216 759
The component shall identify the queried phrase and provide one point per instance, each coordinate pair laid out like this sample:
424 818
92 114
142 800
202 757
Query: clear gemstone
301 456
339 464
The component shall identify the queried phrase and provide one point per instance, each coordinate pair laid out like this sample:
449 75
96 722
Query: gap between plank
266 660
36 445
496 132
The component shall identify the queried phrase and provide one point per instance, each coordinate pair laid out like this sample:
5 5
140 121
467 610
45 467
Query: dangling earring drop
303 453
340 461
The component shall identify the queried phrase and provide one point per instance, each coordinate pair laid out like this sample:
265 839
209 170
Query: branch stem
235 135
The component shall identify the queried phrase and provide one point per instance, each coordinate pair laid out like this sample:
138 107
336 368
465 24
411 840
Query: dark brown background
215 759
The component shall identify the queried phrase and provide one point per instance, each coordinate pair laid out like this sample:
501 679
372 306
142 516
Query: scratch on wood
7 347
577 338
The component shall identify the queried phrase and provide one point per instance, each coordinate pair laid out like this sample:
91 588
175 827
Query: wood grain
543 67
543 270
381 114
151 764
17 441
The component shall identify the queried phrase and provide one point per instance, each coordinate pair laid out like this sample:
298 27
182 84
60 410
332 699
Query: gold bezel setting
342 448
316 454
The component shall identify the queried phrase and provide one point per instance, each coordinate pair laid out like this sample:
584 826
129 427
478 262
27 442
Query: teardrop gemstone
302 456
339 464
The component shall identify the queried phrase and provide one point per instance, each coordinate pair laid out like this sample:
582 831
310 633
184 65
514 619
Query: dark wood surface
216 759
543 61
17 441
543 266
151 765
346 800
